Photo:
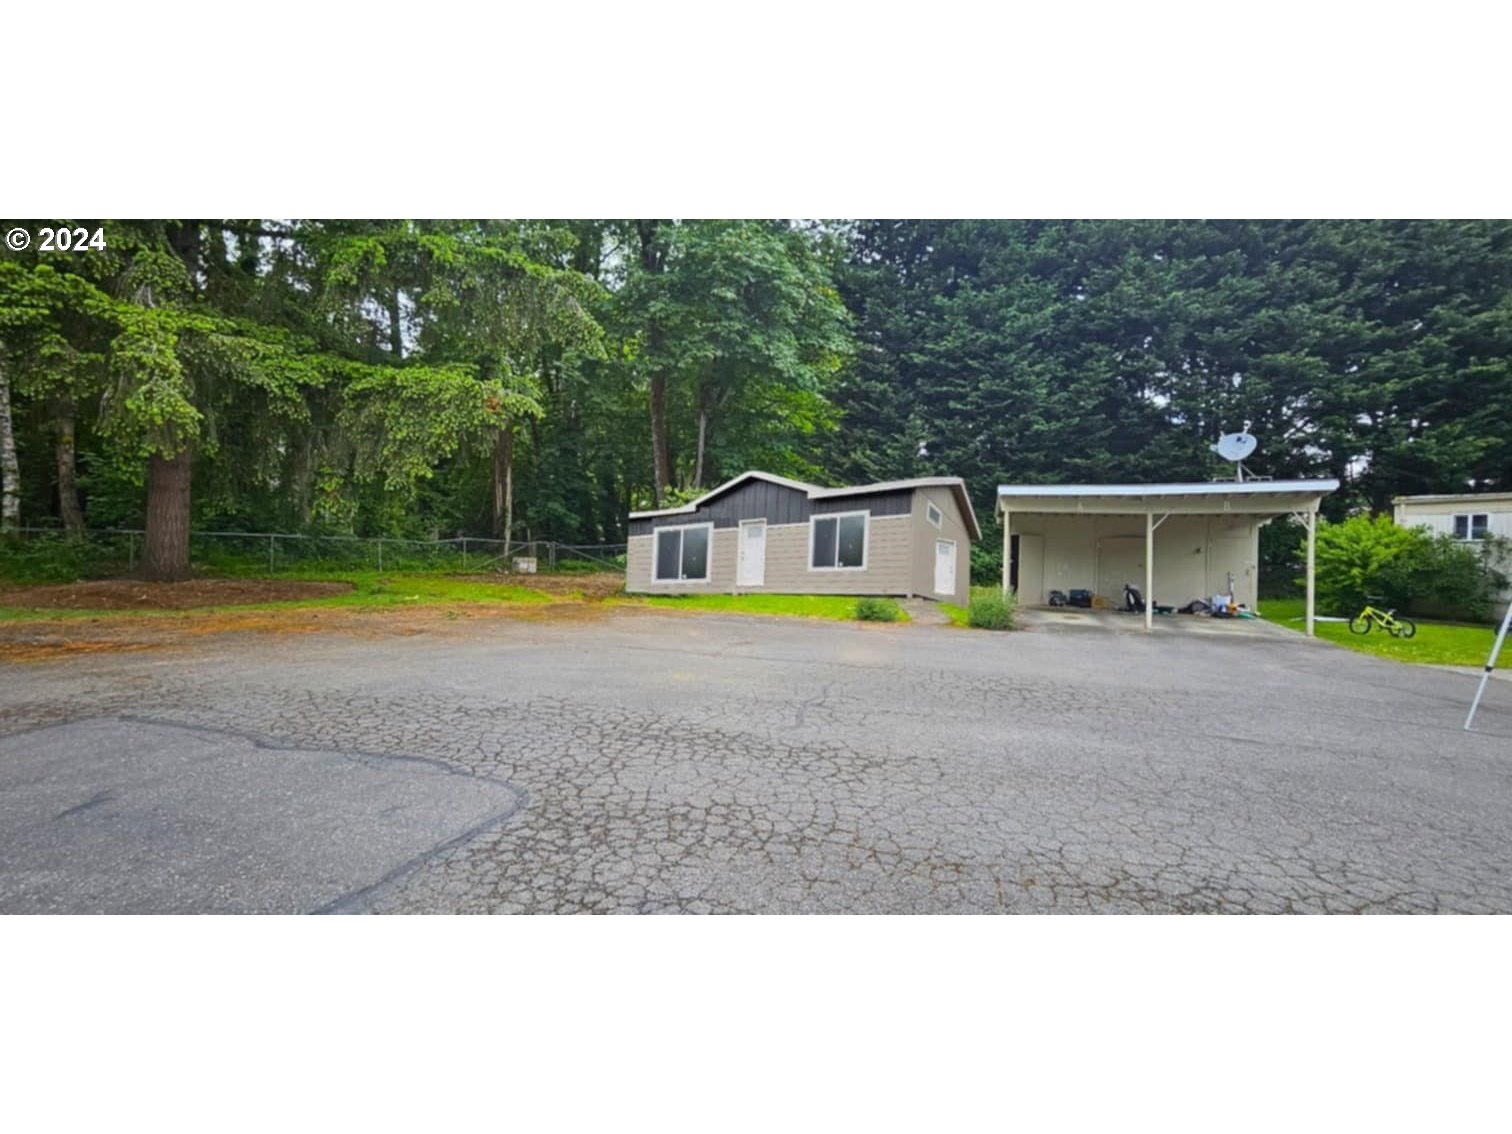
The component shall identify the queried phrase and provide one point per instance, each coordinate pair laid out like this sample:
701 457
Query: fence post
464 553
271 538
380 553
131 552
553 554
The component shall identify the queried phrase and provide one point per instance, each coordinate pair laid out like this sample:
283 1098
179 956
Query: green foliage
991 609
872 608
1410 569
836 607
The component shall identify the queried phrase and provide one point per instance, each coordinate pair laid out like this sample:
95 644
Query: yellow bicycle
1387 620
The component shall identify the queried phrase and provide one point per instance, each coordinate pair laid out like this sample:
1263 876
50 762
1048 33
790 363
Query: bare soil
133 594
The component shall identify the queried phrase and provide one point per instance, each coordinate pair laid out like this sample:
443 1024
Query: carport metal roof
1267 498
1250 497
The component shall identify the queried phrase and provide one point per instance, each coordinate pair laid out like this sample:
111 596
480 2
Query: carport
1096 537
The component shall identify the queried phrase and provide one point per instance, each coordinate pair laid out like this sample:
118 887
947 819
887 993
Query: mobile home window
1471 525
682 554
838 541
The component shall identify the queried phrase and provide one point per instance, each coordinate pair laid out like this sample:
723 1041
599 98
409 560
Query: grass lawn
956 614
1436 643
369 589
841 607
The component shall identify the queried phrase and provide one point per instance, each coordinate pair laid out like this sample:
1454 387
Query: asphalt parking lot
645 762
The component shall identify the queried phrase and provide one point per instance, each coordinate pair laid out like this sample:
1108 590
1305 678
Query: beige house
766 534
1175 542
1467 516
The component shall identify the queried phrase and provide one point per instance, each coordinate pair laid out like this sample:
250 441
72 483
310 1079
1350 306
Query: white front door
752 569
945 551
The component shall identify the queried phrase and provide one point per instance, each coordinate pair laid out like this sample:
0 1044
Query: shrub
1408 568
874 609
991 609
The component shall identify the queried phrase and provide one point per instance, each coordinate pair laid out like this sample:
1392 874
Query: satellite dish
1235 446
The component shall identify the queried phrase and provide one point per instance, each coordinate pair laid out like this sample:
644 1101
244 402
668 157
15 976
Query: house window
1471 525
682 554
935 515
838 542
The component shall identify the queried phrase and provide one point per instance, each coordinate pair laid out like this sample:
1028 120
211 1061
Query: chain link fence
112 551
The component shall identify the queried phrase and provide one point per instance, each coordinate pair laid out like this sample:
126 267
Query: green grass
957 614
839 607
1436 643
370 589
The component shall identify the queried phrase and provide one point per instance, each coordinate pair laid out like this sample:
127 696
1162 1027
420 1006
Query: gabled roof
693 505
815 492
954 483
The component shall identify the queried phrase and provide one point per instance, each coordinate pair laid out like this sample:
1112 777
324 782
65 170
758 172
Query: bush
1411 569
874 609
991 609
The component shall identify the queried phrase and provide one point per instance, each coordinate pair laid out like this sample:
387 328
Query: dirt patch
131 594
47 639
594 586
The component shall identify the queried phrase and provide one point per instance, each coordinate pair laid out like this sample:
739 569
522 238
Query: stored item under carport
1080 597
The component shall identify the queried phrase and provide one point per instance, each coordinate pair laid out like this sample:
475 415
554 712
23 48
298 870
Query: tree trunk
503 483
661 453
68 480
703 429
10 468
508 485
396 326
653 260
165 550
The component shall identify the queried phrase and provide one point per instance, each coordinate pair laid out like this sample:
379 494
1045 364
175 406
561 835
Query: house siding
952 526
888 569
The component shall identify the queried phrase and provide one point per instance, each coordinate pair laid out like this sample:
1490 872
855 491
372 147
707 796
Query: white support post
1149 588
1007 550
1501 636
1312 565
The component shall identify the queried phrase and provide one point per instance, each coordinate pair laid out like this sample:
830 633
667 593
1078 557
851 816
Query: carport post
1007 551
1312 562
1149 591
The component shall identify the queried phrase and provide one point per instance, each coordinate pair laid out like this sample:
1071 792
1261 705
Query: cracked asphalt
658 763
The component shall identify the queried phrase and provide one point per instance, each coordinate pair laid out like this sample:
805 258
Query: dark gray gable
776 504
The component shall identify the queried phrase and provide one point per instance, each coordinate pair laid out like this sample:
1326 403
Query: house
765 534
1175 542
1467 516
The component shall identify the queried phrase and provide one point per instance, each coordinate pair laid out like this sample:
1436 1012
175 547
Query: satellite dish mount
1235 447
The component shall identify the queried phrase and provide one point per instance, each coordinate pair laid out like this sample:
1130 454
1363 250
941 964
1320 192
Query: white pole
1312 566
1501 636
1149 590
1007 550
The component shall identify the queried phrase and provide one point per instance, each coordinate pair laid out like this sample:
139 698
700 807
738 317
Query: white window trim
1469 517
679 581
955 554
836 516
938 519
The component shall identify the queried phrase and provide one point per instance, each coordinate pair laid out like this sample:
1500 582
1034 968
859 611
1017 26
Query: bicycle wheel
1406 628
1359 624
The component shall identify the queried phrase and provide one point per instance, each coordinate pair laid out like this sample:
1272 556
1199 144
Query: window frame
938 517
1469 518
656 534
865 514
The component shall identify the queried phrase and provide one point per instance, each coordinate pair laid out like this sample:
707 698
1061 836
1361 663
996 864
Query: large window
682 554
837 542
1471 525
